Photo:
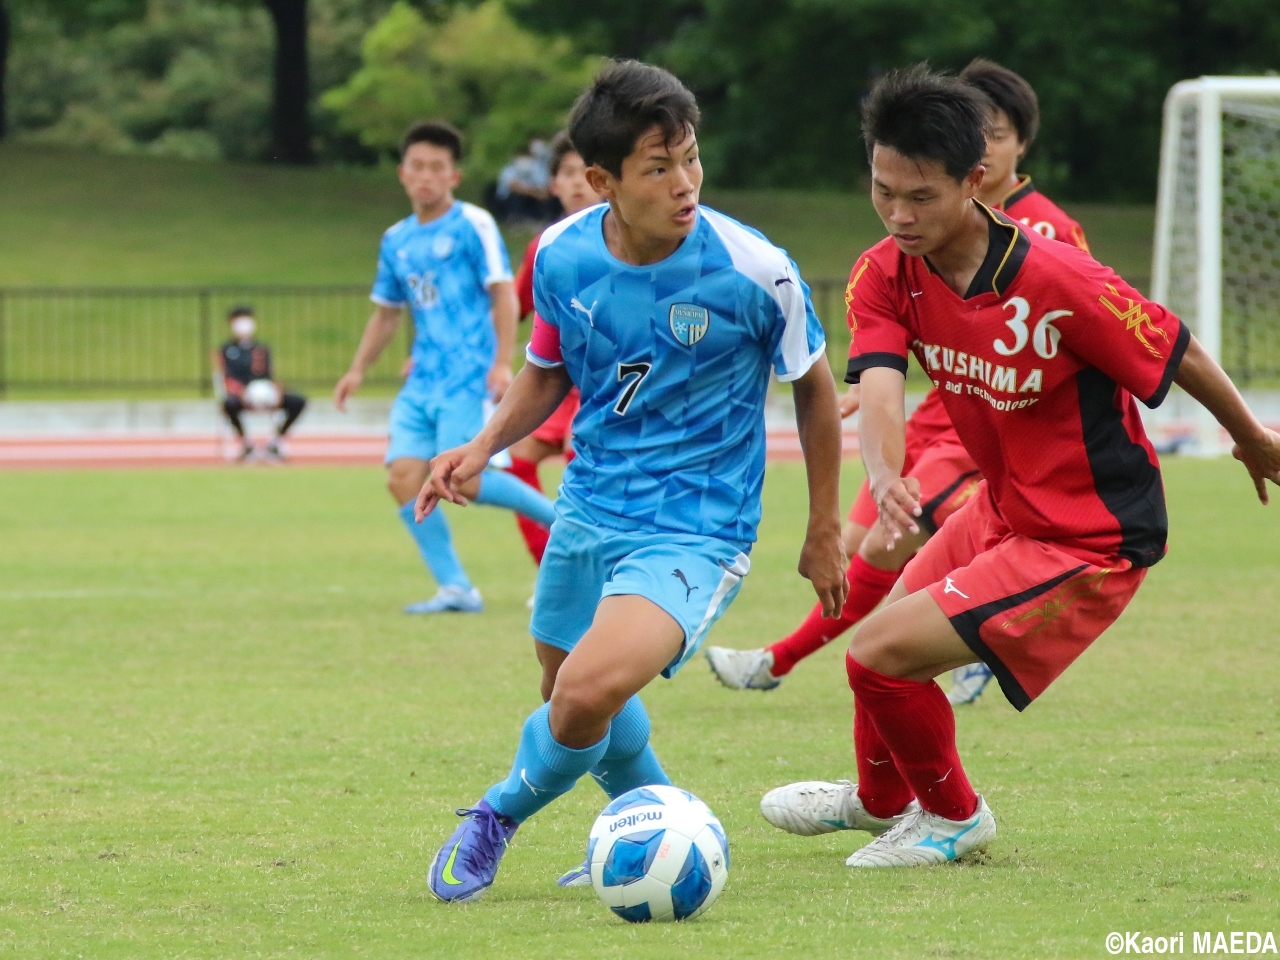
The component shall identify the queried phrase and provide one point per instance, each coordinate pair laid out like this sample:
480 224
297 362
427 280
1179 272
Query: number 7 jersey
673 362
1038 366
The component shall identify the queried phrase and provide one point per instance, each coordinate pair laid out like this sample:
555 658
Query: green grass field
222 738
74 219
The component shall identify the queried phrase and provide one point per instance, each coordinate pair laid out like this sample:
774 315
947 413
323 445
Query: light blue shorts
426 423
692 578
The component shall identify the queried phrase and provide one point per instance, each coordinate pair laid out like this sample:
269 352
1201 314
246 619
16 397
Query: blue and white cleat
925 839
579 876
450 600
967 683
464 868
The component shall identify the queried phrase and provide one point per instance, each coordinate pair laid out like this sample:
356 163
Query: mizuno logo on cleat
947 846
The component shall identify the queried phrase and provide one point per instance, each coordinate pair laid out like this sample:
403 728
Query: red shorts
948 478
557 429
1024 606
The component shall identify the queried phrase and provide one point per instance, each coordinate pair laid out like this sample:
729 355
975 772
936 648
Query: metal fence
141 341
150 340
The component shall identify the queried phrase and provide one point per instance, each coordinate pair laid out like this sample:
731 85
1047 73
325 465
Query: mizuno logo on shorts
949 587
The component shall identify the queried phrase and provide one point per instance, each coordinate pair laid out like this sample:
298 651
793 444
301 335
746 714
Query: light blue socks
501 489
542 771
629 762
435 543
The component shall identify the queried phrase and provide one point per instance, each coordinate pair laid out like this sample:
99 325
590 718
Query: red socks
880 786
914 723
867 587
535 535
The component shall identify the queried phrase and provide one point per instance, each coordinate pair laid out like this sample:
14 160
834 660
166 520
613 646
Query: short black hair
926 115
240 310
1009 92
561 147
439 132
626 99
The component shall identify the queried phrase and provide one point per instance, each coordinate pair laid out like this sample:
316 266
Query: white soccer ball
261 395
658 853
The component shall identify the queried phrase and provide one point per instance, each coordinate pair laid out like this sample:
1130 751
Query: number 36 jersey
1038 366
673 361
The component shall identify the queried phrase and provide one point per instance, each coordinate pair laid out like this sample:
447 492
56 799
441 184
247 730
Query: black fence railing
141 341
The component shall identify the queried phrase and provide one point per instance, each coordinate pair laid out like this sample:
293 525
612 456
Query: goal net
1217 245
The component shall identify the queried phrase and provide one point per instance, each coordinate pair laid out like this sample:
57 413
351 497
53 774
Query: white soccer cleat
924 839
967 683
811 807
743 669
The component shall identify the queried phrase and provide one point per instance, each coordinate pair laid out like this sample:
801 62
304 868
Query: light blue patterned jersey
442 271
673 363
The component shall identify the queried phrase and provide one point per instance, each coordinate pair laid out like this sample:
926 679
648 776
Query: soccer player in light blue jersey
446 263
668 317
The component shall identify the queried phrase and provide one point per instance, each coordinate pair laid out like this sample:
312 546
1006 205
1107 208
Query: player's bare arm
378 332
822 558
1255 446
533 396
882 436
506 314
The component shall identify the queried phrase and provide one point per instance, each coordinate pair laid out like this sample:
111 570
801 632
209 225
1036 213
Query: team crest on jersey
442 246
689 322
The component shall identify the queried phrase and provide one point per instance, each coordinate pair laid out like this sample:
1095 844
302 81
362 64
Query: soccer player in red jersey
568 185
1040 355
934 454
1015 123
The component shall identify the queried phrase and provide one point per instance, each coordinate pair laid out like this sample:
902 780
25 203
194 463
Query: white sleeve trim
495 263
770 269
537 361
560 226
806 366
384 302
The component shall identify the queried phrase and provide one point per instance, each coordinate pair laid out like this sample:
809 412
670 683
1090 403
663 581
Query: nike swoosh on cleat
447 873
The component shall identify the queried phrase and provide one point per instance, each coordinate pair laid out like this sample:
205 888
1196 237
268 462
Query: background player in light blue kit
447 264
668 317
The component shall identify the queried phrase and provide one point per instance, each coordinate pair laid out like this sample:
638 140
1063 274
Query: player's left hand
1262 460
449 471
498 381
850 401
823 563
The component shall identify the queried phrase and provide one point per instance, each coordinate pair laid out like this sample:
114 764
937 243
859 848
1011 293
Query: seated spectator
522 193
246 377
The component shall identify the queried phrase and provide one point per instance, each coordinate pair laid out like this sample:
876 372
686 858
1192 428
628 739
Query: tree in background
291 89
475 67
4 64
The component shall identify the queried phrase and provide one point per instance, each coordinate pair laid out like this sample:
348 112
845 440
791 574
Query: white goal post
1216 261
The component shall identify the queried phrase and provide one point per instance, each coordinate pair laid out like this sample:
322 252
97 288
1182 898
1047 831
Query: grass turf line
222 738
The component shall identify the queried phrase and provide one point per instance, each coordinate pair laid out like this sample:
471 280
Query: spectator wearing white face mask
246 376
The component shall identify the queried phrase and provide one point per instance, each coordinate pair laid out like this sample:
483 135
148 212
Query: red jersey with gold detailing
1034 210
1038 366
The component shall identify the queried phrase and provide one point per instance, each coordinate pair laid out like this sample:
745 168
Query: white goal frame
1206 93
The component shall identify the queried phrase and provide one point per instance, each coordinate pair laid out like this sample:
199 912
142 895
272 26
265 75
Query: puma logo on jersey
577 305
949 587
688 590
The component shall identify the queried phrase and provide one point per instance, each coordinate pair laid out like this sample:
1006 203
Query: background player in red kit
1040 354
934 454
568 185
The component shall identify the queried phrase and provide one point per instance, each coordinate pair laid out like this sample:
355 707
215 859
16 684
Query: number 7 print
637 370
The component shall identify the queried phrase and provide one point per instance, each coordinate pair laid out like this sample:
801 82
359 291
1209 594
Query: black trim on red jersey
927 510
1125 479
1021 191
1180 345
1007 247
869 360
969 626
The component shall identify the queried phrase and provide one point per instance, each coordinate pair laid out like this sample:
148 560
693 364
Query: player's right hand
449 471
1262 460
899 504
850 400
345 387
